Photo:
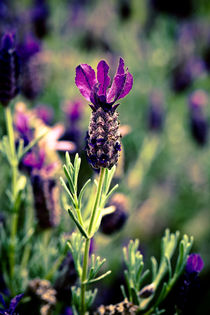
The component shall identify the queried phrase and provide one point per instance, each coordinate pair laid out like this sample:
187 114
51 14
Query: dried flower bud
122 308
113 222
46 200
9 70
43 295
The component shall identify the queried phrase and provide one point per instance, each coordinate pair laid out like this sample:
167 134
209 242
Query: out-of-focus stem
14 168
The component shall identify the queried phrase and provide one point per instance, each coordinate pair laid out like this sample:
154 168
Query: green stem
11 138
14 169
87 241
84 275
98 195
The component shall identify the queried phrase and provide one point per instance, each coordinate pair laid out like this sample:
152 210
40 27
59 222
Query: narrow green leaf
32 144
99 278
154 267
77 163
69 164
82 193
67 190
143 277
110 193
80 227
169 266
123 291
135 297
69 178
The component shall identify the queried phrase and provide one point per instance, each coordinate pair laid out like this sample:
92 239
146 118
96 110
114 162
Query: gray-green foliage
163 276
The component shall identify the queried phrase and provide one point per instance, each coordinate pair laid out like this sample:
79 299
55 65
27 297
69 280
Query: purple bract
194 263
97 91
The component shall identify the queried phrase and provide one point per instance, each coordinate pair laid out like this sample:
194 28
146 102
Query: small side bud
147 291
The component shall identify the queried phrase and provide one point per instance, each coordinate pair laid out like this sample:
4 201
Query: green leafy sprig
149 297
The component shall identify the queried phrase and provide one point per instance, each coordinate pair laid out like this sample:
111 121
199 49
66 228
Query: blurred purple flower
39 16
198 99
9 69
194 264
13 304
67 311
96 90
28 48
155 113
198 121
34 160
45 113
73 110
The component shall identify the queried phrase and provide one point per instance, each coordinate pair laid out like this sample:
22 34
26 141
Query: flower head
97 91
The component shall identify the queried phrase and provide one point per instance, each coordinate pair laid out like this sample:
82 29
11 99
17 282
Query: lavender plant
103 146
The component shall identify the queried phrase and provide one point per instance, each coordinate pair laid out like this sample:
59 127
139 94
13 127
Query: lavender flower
103 138
198 122
46 200
13 304
113 222
9 69
155 114
39 16
66 278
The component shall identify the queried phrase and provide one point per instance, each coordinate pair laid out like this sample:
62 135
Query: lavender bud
40 14
103 139
155 114
9 69
46 200
67 277
198 121
124 307
113 222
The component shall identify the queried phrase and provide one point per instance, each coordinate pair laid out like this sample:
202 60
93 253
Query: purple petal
102 77
116 88
120 69
14 302
85 80
127 86
122 83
